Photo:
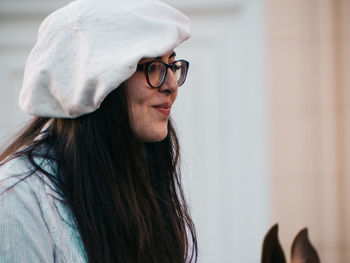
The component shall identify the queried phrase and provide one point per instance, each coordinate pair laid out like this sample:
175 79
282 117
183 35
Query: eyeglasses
156 71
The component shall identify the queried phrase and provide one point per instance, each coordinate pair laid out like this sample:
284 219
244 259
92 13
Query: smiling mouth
163 108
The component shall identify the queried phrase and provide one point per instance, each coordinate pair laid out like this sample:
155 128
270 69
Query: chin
154 135
155 132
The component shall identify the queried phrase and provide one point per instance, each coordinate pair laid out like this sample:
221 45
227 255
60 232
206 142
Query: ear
302 249
272 251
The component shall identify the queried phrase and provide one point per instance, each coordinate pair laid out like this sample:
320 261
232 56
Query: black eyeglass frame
145 66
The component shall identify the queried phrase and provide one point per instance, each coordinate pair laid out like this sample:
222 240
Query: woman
94 177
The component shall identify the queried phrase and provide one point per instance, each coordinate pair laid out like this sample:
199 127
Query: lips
163 108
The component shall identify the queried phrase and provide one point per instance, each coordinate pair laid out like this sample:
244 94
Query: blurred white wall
222 121
220 114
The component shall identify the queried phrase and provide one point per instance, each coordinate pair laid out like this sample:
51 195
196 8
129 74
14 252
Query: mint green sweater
35 224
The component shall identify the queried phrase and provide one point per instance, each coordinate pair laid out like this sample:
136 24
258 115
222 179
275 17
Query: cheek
140 104
139 95
147 123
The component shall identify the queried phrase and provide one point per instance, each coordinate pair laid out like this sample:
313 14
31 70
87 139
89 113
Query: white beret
88 48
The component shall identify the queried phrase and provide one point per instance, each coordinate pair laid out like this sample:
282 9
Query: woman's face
150 107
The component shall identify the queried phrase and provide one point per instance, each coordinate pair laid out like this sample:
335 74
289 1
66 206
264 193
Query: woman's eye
152 68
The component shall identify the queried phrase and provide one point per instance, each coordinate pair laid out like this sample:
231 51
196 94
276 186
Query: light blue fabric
35 225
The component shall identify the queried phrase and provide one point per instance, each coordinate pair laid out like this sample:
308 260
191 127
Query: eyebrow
172 55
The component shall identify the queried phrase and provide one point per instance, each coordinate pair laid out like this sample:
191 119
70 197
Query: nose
170 83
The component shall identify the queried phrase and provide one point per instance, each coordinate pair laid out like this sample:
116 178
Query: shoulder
34 216
21 182
16 179
23 231
26 193
19 173
22 191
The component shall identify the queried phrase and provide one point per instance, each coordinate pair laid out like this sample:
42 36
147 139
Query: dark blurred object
302 249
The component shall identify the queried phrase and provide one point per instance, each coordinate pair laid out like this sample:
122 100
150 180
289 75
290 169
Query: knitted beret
88 48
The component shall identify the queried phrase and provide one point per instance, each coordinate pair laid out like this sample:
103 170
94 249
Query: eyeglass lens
157 72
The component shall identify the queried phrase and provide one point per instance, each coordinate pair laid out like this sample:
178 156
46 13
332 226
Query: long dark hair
125 195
